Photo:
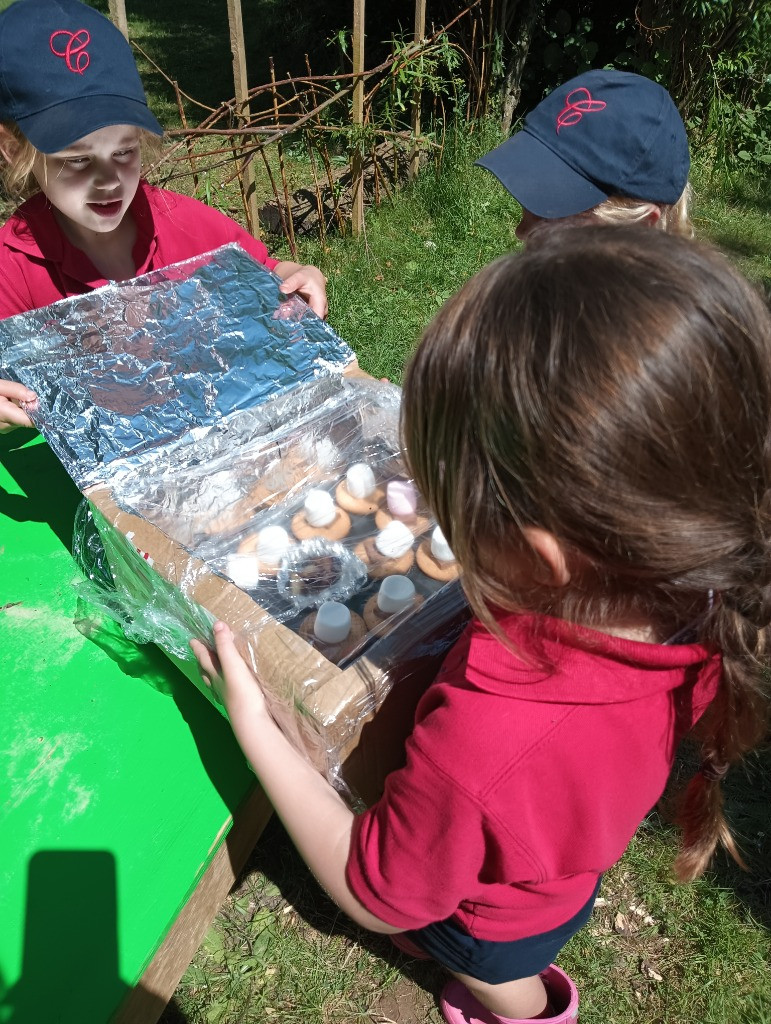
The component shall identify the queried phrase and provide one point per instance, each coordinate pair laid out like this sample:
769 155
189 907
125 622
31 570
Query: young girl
590 422
74 117
607 145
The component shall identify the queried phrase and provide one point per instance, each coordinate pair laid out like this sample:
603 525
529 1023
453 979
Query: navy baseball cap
602 133
66 71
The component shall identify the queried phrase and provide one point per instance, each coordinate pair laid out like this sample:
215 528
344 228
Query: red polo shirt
526 776
38 265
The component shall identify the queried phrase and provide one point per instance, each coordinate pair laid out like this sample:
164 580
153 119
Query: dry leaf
623 925
649 972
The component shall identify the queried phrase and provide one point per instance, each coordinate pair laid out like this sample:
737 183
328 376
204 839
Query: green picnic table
126 808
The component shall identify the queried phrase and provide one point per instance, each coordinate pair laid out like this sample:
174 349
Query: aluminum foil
140 365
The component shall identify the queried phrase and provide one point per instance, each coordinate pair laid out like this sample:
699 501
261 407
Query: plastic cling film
197 409
210 531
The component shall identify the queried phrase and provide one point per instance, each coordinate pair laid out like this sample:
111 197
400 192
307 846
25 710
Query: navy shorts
497 962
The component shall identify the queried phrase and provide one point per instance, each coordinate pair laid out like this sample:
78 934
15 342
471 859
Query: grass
735 214
384 288
654 951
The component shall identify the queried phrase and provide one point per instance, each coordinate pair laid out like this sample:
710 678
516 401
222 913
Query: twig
280 150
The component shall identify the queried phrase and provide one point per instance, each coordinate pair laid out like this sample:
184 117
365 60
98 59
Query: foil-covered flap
137 364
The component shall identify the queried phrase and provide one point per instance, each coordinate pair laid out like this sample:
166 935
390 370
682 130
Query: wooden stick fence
322 110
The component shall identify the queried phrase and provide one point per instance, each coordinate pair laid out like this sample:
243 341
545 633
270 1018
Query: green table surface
118 778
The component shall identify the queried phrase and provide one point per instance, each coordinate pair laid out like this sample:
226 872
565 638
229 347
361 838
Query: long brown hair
613 387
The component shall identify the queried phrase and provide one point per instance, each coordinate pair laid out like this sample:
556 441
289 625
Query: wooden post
357 119
241 83
118 15
420 33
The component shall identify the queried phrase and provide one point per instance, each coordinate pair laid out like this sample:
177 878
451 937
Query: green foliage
715 57
571 45
431 71
738 126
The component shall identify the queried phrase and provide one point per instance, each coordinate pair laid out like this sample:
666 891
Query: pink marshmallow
402 498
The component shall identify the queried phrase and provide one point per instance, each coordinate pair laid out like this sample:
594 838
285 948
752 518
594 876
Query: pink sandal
459 1006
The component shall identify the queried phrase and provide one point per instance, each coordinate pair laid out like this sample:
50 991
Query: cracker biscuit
339 528
334 652
359 506
433 566
373 617
379 565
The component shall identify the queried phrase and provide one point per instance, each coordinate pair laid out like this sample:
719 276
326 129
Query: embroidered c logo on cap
74 47
575 109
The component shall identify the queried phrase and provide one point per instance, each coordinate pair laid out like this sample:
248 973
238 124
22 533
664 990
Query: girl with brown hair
590 422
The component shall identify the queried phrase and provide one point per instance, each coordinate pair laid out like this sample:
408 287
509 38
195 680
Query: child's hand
11 395
308 282
226 673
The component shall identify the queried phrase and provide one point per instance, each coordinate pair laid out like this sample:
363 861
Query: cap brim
65 123
539 180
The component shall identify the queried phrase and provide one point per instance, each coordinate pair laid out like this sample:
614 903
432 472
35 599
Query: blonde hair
19 157
674 219
614 389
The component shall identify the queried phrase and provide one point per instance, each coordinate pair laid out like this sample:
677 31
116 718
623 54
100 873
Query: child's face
93 182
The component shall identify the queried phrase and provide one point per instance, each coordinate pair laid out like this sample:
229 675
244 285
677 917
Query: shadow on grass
276 858
747 805
748 808
733 243
749 254
190 42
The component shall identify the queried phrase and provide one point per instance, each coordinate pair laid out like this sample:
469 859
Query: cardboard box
140 379
351 723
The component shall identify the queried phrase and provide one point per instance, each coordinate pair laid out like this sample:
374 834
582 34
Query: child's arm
307 281
313 814
11 416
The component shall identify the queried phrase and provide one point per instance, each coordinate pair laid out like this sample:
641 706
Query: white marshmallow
244 571
360 480
272 544
395 540
319 508
333 623
440 549
396 593
327 454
